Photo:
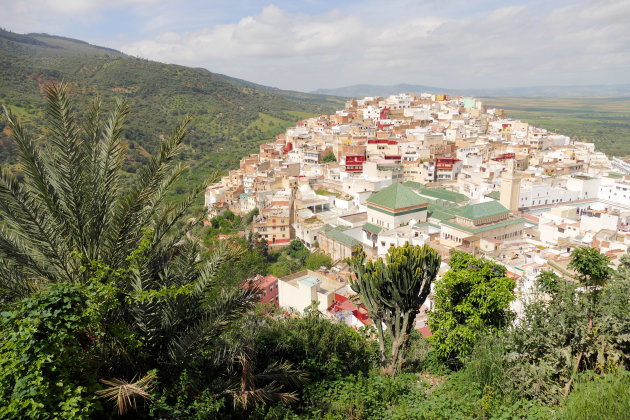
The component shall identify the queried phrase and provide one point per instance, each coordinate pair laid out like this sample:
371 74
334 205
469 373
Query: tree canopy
471 299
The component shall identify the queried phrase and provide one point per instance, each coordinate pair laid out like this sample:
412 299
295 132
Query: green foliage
393 291
231 117
548 281
599 397
358 397
249 263
47 355
329 157
472 299
316 261
323 349
592 266
296 257
71 222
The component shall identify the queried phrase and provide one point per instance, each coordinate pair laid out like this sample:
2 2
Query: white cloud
508 46
453 44
56 15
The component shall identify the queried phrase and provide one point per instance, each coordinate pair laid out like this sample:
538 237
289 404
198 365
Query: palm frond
140 205
247 391
218 314
29 222
218 256
124 394
14 284
170 215
269 393
108 155
71 162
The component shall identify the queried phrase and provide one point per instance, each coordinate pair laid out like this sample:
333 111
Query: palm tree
70 221
71 209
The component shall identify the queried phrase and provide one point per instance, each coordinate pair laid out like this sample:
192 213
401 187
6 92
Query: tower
510 187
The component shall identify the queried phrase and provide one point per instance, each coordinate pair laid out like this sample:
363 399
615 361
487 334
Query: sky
310 44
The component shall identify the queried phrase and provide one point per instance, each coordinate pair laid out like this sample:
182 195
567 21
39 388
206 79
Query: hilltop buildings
429 169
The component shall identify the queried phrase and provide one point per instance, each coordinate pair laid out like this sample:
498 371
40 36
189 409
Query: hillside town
425 169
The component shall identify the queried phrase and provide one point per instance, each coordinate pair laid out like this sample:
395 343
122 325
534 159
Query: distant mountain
231 116
355 91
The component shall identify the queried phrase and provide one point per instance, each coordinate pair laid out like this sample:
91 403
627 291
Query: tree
393 290
263 248
315 261
548 281
593 271
329 157
472 299
71 222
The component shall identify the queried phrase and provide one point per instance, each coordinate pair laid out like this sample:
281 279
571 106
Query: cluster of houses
426 169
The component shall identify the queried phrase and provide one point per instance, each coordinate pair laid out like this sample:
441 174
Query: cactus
393 291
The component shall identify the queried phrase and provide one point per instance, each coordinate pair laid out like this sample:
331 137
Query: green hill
231 116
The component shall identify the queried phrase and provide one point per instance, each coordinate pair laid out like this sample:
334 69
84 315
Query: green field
604 121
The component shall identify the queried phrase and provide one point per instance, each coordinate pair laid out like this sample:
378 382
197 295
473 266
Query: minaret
510 187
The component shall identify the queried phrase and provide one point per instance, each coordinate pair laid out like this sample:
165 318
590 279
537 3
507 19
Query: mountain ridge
361 90
230 119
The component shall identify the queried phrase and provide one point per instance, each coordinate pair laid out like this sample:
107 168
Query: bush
45 356
471 300
315 261
359 397
323 349
599 397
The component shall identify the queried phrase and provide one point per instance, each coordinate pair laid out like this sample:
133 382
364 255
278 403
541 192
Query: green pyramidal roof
481 210
443 194
396 196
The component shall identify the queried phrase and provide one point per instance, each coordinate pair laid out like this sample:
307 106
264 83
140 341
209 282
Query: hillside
231 117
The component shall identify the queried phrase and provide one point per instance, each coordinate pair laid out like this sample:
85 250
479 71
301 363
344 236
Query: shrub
599 397
45 356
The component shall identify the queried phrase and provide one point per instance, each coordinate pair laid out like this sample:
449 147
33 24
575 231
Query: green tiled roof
442 210
443 194
372 228
483 228
338 235
326 228
481 210
413 184
396 196
614 175
494 194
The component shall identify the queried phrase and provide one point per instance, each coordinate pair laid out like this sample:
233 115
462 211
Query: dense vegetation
230 117
257 258
110 306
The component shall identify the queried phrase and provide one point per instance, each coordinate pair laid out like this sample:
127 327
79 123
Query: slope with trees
229 119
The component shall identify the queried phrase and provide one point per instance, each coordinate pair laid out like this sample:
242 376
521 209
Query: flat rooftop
312 278
309 281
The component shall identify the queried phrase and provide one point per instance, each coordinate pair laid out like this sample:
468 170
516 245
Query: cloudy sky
305 45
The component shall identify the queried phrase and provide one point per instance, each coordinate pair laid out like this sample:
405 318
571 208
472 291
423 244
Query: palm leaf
124 394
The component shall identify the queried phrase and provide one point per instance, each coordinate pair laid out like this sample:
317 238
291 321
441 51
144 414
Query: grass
603 121
326 192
